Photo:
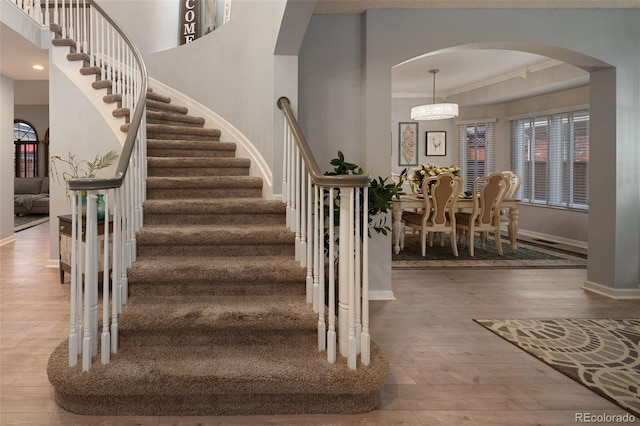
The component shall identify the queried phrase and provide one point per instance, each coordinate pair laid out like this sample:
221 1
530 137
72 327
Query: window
477 150
551 154
25 140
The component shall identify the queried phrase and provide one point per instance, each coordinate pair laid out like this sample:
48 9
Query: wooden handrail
88 184
356 181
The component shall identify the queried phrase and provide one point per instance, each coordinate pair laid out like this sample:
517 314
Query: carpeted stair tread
173 162
183 132
214 211
155 105
224 269
181 148
158 117
217 370
209 313
186 145
218 235
186 182
215 205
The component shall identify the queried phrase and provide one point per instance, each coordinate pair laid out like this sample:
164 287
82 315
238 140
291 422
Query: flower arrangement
428 170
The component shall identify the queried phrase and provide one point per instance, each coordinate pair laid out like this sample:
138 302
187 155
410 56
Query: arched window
25 139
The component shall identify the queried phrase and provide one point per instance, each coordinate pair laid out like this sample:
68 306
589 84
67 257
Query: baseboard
381 295
613 293
53 263
553 238
8 240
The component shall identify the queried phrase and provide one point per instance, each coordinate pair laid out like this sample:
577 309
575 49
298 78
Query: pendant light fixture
434 111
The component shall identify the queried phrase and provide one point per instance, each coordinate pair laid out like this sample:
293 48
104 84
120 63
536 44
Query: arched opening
496 86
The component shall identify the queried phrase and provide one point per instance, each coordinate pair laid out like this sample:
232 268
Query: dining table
416 201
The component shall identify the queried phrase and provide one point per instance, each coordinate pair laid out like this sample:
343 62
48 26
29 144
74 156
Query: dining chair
512 191
440 195
484 217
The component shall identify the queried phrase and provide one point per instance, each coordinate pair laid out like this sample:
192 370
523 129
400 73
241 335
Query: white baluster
106 337
365 344
74 325
318 266
344 277
351 357
308 245
360 233
331 334
90 282
304 198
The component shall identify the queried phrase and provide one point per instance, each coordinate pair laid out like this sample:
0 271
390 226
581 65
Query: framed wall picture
436 143
408 144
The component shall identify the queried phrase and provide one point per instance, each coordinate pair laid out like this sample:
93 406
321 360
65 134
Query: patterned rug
27 221
601 354
528 255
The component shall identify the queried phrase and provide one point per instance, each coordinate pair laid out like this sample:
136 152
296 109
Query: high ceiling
17 55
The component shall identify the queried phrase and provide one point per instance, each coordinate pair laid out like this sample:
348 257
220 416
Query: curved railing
84 25
313 200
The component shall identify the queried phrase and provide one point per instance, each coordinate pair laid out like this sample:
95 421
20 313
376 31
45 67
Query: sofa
31 195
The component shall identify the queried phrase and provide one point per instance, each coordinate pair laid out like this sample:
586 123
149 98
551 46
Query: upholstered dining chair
440 195
484 217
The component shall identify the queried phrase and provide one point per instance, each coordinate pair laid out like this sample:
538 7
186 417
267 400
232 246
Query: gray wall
6 159
389 37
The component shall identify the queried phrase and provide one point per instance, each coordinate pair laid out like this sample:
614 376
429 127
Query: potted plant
381 192
82 169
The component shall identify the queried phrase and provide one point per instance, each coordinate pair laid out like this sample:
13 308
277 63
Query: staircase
217 321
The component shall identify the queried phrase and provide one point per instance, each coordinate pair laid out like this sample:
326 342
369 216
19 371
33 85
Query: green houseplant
381 193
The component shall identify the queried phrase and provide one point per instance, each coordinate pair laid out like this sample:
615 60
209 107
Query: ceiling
409 79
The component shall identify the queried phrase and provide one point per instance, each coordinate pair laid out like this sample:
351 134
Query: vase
100 207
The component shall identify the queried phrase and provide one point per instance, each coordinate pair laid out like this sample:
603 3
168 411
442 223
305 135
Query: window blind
551 154
476 153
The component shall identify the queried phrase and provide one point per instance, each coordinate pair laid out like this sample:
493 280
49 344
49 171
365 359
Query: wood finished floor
445 369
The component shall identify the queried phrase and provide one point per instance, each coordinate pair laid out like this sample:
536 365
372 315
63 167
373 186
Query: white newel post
344 277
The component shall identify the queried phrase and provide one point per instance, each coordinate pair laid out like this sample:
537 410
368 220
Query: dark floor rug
23 222
528 255
601 354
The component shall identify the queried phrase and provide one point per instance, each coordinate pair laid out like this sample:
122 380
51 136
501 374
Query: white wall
152 25
389 37
231 71
6 159
85 138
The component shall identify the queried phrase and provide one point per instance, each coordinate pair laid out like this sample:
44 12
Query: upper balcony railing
314 204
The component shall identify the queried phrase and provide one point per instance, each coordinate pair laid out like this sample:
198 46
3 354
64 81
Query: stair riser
231 336
243 404
181 136
196 153
197 193
193 171
201 288
216 250
213 219
174 123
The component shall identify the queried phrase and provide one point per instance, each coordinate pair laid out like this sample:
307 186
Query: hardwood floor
445 369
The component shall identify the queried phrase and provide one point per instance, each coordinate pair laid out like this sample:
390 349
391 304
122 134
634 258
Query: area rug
27 221
601 354
527 255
